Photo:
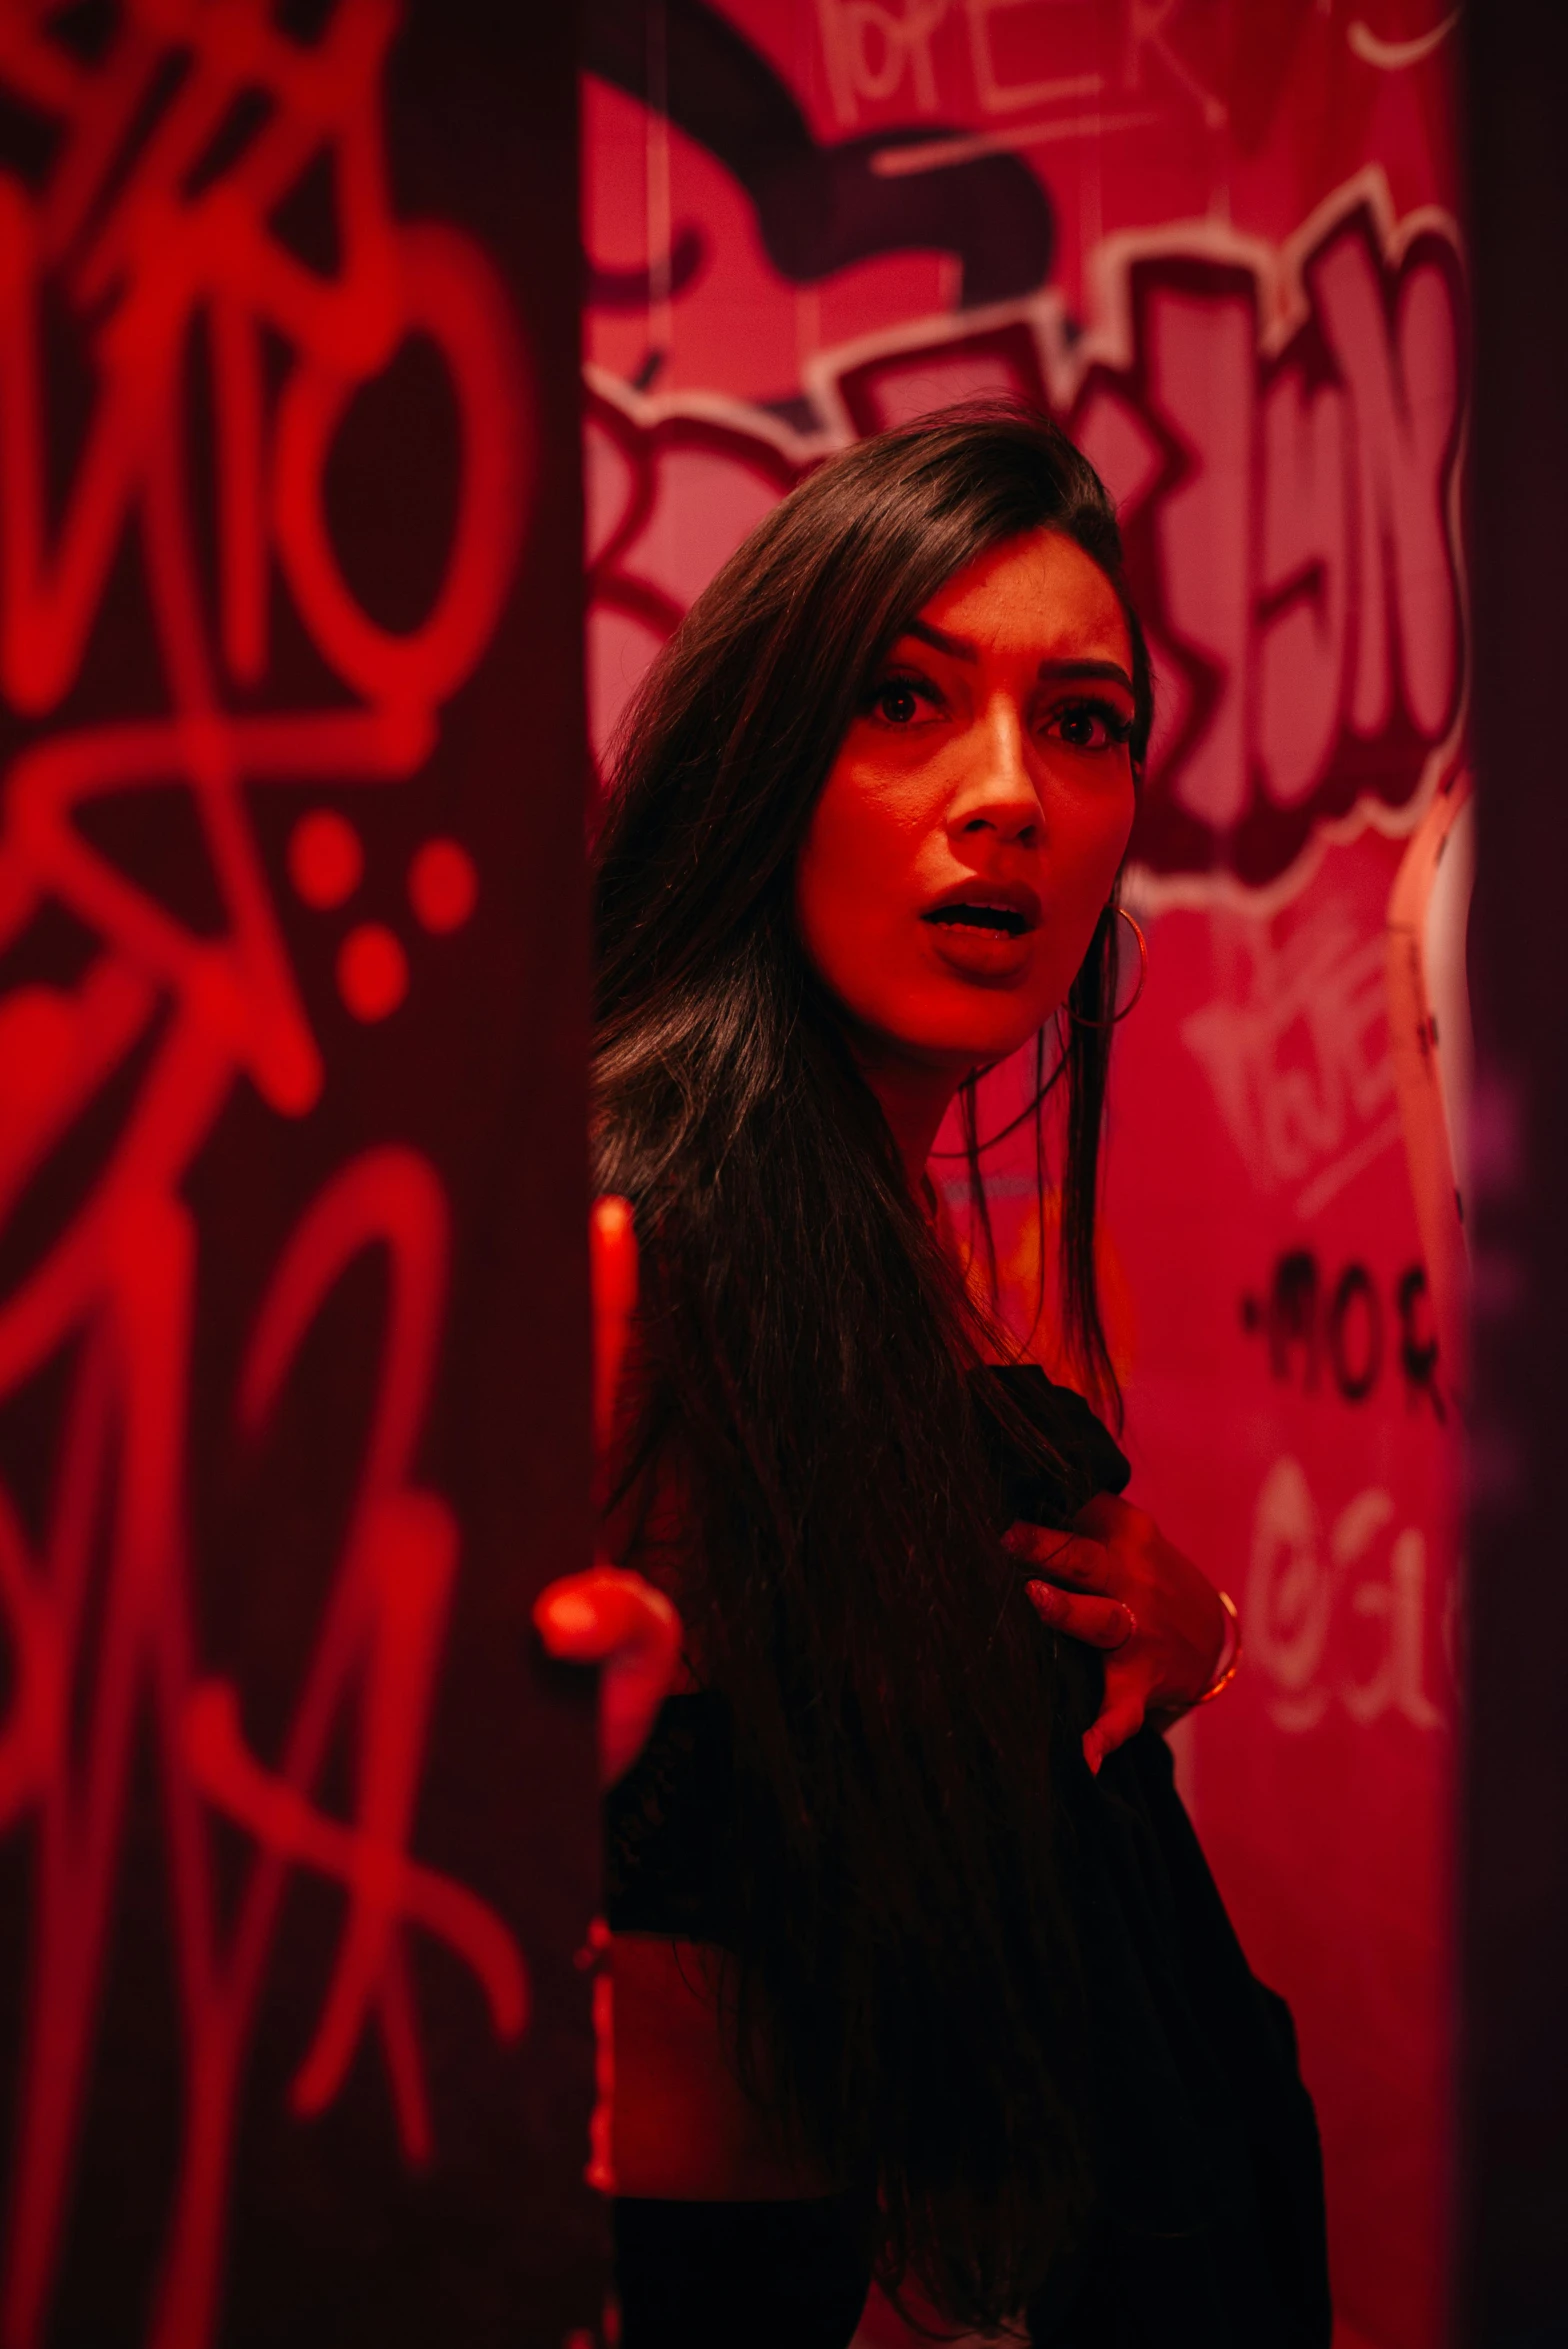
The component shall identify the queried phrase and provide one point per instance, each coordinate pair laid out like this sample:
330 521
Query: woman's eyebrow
1108 672
955 646
959 648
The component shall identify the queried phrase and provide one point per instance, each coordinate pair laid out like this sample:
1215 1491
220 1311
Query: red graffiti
154 228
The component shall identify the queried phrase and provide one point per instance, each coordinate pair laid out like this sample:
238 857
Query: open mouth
997 921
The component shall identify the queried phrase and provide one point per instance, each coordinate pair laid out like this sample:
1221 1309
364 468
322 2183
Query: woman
901 1983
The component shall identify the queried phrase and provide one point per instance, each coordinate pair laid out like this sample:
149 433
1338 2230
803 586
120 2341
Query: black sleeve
1077 1458
1209 2231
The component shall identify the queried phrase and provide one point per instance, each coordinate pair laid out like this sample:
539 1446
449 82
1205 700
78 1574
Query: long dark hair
905 1959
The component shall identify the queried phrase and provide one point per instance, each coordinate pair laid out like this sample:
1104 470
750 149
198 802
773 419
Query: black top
1209 2226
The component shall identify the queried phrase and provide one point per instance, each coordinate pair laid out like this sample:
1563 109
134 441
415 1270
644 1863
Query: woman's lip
1014 897
988 957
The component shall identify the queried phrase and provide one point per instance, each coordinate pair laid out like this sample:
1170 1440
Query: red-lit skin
998 760
993 759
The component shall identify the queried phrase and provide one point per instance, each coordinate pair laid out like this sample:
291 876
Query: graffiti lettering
1299 1586
158 252
1000 90
669 499
1036 58
1304 1323
1296 1052
871 50
1282 432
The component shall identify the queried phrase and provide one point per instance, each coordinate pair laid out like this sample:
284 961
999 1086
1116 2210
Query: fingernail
1045 1598
1129 1619
1093 1756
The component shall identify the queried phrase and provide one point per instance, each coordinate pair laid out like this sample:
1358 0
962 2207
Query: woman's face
977 812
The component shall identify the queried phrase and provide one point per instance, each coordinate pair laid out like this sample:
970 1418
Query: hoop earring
1143 973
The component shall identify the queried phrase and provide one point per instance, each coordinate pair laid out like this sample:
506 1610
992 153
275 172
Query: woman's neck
914 1099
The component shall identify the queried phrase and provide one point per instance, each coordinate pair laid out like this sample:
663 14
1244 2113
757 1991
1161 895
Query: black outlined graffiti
1282 431
820 208
1309 1328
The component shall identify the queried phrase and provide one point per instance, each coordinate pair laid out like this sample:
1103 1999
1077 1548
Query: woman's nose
998 790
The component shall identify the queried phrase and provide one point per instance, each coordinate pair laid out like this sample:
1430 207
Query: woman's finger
1065 1557
1099 1623
612 1268
1120 1717
611 1617
1102 1516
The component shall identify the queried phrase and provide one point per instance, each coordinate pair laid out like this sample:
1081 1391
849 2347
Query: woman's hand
1117 1583
620 1621
609 1616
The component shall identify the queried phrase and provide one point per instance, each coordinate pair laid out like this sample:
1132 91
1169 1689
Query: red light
442 885
325 859
372 972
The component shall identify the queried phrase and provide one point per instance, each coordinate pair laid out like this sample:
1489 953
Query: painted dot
442 885
372 971
325 859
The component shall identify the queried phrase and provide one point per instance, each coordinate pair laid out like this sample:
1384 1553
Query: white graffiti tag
1298 1584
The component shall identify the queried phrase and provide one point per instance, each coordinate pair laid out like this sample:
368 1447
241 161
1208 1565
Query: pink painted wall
1218 239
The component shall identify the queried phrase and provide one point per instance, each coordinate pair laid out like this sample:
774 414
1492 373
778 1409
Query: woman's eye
900 699
1091 725
897 701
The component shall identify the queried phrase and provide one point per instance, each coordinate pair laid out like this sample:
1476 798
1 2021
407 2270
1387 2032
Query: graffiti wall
1216 237
293 1402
